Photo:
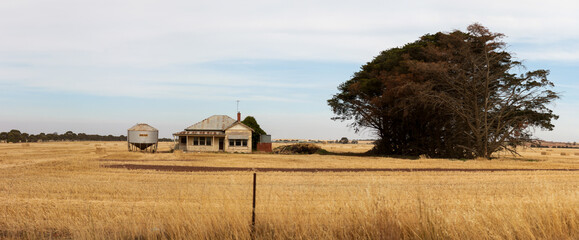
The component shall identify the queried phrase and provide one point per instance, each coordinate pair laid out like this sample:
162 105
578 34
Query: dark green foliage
257 131
447 95
15 136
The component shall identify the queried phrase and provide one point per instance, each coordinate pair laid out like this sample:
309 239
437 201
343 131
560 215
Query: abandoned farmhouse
214 134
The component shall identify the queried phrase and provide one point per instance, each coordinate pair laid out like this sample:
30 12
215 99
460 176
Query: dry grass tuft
101 150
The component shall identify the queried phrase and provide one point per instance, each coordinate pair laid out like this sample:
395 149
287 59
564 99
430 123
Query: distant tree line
567 145
15 136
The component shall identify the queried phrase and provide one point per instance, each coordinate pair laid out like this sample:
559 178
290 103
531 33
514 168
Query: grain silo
143 137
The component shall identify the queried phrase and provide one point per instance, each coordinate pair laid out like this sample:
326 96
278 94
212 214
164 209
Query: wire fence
305 196
281 199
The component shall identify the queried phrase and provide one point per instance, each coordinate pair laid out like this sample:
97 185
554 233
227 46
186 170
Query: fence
184 202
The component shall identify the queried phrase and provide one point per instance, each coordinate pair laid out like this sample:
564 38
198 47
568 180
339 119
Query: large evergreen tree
447 95
257 131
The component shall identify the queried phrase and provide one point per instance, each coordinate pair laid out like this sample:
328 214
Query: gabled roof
205 133
215 122
240 123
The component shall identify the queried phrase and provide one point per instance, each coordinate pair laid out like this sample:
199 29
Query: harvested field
312 170
69 191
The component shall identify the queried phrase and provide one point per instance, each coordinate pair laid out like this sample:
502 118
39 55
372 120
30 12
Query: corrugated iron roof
215 122
190 133
142 127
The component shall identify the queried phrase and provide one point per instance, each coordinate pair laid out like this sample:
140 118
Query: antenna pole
237 105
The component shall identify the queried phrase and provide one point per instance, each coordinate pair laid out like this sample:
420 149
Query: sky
100 67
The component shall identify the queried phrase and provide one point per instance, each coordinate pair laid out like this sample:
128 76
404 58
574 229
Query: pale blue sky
102 66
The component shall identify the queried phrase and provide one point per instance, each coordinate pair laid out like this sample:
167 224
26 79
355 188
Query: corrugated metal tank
265 138
142 136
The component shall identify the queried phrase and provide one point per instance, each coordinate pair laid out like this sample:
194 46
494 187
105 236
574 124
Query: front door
183 143
220 144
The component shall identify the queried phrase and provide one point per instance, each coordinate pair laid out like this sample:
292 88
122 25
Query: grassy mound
298 148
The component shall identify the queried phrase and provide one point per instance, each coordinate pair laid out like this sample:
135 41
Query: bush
298 148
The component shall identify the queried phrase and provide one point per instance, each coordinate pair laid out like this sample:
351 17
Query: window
202 141
238 142
183 140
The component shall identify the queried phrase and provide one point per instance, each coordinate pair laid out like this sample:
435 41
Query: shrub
298 148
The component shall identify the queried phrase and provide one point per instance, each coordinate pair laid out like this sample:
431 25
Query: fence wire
304 199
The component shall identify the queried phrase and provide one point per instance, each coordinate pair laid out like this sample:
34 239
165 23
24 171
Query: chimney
238 116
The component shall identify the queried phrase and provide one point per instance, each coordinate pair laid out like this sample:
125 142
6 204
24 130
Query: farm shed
214 134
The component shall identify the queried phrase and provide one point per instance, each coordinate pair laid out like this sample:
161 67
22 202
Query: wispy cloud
283 52
571 55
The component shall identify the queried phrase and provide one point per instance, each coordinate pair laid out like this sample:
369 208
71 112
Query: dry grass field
64 191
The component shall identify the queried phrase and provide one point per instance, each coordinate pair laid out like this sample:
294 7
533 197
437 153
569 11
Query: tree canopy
257 131
455 94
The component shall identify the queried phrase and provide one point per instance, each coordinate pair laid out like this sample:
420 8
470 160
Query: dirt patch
241 169
148 160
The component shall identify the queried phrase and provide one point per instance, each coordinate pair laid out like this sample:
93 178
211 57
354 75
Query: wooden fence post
253 211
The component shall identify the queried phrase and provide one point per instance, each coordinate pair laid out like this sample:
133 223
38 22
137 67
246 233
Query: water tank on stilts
143 137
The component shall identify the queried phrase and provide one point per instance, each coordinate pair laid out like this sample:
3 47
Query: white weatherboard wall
214 147
240 132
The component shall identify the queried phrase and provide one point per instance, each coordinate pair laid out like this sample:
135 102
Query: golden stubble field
62 191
